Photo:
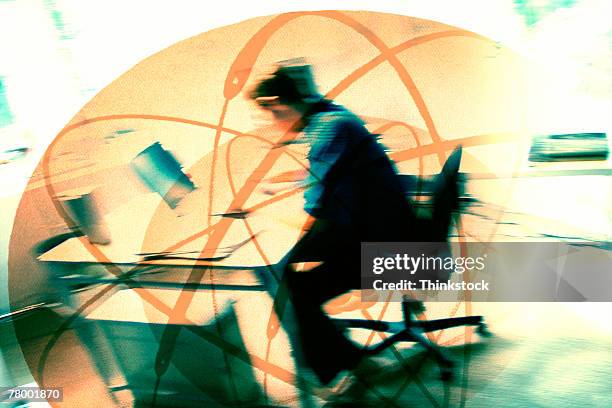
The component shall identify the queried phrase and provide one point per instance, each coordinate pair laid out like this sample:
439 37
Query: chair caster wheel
483 330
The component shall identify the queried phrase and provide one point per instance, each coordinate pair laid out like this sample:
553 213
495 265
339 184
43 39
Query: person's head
284 94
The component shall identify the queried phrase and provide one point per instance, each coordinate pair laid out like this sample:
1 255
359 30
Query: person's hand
283 182
270 189
275 188
310 222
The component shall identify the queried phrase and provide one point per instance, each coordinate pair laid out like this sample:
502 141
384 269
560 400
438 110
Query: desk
147 225
132 326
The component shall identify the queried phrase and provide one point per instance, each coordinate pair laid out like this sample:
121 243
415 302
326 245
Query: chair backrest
445 194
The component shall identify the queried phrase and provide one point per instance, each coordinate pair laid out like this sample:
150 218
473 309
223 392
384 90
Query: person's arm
330 136
285 181
327 143
288 176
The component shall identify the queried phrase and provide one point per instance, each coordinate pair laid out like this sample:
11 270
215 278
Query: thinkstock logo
491 271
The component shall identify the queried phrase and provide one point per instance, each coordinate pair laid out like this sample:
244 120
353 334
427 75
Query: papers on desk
161 172
85 215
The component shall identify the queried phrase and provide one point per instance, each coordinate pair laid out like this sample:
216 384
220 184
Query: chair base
412 330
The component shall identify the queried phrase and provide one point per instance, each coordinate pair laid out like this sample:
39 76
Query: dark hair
279 84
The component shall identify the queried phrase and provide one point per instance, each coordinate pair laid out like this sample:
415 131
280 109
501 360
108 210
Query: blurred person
353 193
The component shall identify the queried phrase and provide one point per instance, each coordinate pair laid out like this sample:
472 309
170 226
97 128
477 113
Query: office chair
445 194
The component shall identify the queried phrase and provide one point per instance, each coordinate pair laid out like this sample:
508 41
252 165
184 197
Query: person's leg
317 245
325 348
279 284
298 297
